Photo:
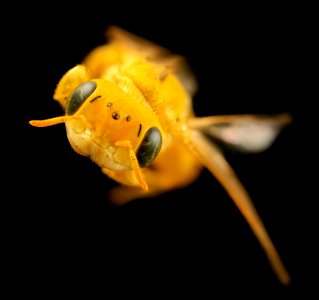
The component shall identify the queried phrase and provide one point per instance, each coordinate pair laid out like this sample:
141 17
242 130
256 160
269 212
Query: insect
128 107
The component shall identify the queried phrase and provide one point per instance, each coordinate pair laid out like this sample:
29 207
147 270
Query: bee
128 107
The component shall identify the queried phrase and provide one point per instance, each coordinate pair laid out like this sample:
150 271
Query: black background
191 241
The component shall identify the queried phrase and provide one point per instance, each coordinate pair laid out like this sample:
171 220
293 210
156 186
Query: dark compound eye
79 95
150 147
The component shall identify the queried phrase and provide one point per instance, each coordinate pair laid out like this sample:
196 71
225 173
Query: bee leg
213 159
135 166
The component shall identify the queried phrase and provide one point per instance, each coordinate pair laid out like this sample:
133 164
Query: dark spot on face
95 98
116 116
139 130
109 104
128 118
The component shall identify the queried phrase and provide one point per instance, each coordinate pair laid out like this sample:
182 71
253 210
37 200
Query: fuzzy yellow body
128 106
154 86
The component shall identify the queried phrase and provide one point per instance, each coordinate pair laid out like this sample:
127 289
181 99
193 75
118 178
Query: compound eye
79 95
150 147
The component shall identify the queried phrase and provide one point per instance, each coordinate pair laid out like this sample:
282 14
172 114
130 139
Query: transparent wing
156 54
247 133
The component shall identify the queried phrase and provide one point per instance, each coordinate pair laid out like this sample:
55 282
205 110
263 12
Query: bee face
103 115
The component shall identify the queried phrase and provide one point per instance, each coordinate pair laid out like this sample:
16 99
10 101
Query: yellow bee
128 107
